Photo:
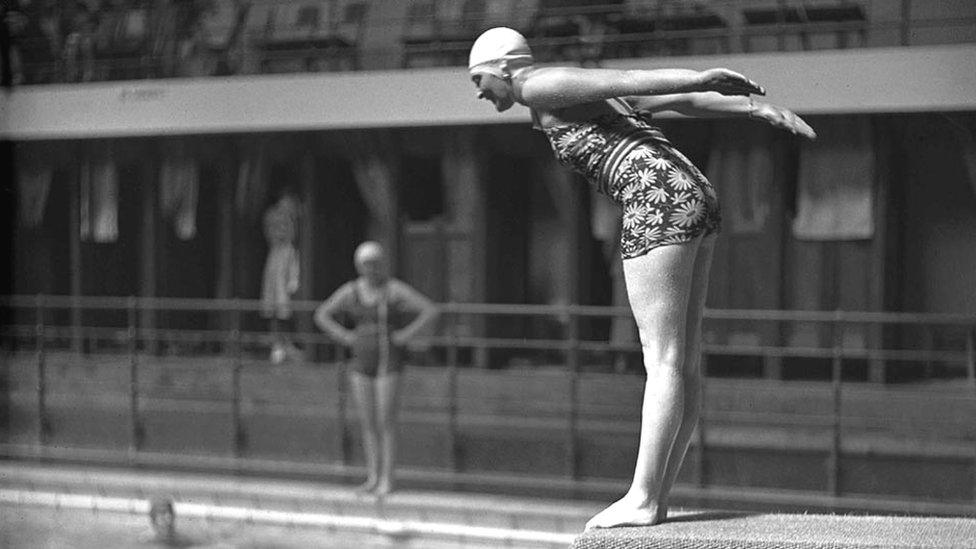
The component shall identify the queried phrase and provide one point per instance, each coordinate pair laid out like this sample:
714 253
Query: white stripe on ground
284 518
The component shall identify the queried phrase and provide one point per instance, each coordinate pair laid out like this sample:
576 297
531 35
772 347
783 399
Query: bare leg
387 400
362 392
692 370
658 286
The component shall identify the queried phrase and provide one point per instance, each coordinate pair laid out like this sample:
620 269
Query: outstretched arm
710 104
560 87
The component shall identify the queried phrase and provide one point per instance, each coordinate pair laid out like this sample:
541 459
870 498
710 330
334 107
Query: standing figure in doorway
281 272
597 121
385 315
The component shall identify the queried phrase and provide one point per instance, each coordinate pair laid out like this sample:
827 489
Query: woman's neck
518 77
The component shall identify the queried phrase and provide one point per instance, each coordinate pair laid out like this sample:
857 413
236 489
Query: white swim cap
367 251
498 44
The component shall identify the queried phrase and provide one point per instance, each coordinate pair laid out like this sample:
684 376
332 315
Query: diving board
720 530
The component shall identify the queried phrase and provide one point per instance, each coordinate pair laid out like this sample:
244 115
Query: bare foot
628 511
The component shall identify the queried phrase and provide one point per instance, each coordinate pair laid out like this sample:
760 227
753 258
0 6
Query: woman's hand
728 82
784 119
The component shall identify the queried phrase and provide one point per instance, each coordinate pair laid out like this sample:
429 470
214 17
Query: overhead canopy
908 79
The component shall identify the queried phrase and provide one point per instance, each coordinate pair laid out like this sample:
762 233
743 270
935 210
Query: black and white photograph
477 274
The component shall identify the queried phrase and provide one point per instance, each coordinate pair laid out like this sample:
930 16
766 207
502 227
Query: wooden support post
43 425
237 419
700 472
836 375
225 245
148 251
906 22
971 356
135 425
74 252
306 245
464 192
878 280
454 446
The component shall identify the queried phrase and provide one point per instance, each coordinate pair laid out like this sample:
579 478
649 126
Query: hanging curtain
963 128
33 187
835 194
99 193
251 185
178 191
375 172
740 165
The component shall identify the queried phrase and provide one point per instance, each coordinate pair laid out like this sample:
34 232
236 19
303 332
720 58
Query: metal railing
46 324
594 33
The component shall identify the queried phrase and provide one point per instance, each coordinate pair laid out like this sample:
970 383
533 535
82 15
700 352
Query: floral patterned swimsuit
665 198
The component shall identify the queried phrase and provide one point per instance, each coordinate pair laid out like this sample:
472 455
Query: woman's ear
506 70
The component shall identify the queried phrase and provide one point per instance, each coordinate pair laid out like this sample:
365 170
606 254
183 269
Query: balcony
130 40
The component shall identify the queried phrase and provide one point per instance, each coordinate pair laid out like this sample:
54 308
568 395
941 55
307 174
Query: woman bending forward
597 121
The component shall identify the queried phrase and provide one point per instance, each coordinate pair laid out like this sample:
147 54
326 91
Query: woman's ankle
643 498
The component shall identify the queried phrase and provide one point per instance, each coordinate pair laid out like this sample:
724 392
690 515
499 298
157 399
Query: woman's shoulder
346 289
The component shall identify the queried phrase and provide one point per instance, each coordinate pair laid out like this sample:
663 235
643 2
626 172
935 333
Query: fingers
753 88
745 85
797 126
804 129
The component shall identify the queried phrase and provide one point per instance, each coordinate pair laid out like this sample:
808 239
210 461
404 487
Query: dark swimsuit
370 335
665 198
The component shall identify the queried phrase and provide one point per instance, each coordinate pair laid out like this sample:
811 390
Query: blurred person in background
78 24
384 316
281 271
35 41
597 122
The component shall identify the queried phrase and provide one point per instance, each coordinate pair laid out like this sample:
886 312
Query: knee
665 359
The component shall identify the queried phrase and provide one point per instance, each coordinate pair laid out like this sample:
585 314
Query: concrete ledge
745 531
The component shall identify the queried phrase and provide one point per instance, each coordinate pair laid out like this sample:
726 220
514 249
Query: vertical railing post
573 367
836 373
43 426
345 440
971 356
699 471
452 398
971 379
906 22
135 425
240 436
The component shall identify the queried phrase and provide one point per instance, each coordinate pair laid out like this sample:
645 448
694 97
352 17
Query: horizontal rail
254 337
255 305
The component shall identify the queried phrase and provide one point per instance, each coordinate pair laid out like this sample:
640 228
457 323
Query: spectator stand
571 30
805 20
78 28
440 32
215 48
312 36
666 27
35 36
